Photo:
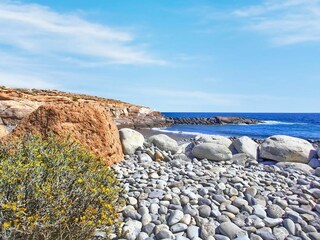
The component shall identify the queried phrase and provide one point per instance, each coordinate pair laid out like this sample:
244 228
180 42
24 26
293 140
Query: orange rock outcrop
88 123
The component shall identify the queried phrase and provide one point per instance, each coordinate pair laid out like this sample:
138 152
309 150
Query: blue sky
181 55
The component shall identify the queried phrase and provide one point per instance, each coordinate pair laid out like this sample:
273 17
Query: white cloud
207 98
39 30
22 81
285 22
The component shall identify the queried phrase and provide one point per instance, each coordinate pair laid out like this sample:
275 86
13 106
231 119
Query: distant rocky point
216 120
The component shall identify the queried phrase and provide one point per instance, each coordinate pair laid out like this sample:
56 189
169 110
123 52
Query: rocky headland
215 120
15 104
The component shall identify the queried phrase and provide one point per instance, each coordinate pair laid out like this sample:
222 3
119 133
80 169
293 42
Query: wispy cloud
22 81
39 30
285 22
212 99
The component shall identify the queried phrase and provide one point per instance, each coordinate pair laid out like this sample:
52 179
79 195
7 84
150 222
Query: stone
272 222
131 140
179 227
294 165
158 156
233 209
133 215
215 139
231 230
89 124
220 237
188 209
182 238
164 143
315 193
207 230
283 148
265 234
280 233
142 236
156 194
175 217
259 211
165 234
154 208
241 159
148 228
246 145
131 229
212 151
251 191
314 163
275 211
254 236
314 235
290 226
146 219
132 201
204 211
193 232
317 172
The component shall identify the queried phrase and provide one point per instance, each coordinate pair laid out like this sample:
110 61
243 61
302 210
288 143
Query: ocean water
303 125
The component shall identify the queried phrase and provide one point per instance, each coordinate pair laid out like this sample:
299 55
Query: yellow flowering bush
55 189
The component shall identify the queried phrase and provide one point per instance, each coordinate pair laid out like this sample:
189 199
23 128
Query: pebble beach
177 196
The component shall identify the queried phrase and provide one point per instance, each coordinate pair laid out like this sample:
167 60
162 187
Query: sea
302 125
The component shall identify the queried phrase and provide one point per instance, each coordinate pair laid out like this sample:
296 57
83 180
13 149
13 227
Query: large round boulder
131 140
89 124
286 149
246 145
164 143
212 151
214 139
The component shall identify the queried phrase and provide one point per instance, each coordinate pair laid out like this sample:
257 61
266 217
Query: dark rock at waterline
213 121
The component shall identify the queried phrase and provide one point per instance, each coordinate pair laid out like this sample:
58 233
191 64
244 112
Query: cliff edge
17 103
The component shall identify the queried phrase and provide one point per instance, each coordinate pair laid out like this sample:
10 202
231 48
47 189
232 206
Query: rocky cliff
15 104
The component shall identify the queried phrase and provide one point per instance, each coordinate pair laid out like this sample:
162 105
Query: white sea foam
179 132
279 123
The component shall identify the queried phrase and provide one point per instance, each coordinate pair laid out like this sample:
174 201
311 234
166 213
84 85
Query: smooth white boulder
246 145
164 143
212 151
283 148
214 139
131 140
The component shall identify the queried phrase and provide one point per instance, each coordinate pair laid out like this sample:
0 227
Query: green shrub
55 189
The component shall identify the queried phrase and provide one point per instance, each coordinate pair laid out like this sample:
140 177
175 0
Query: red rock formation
88 123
